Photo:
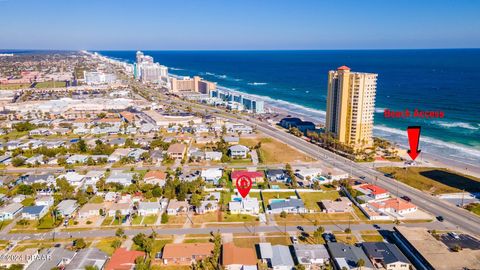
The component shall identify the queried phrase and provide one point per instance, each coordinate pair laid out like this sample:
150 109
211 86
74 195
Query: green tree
79 243
120 232
283 214
164 218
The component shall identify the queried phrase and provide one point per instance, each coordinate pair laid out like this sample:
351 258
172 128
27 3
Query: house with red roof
256 176
394 206
373 191
123 259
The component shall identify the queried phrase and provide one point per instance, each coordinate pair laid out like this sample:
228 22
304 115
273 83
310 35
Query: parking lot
464 241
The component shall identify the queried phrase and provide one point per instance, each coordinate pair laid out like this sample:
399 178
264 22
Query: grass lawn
150 219
274 151
293 219
238 218
28 201
246 242
280 240
348 239
372 238
48 222
14 86
137 220
474 208
434 180
107 221
267 196
96 199
180 219
118 221
312 199
208 217
105 245
197 240
50 84
13 135
20 248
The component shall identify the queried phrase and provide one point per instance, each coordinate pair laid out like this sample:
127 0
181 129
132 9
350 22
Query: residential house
57 257
255 176
10 211
278 257
373 191
110 196
35 160
238 258
177 151
394 206
90 210
123 259
291 205
136 154
308 173
118 154
248 205
19 198
238 128
386 256
75 179
311 256
45 200
148 208
348 257
118 176
212 175
37 178
238 151
92 177
67 208
176 207
88 257
155 178
156 156
186 253
75 159
34 212
340 205
209 203
213 155
277 175
124 208
232 140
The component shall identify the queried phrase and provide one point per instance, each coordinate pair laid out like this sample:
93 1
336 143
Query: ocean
431 80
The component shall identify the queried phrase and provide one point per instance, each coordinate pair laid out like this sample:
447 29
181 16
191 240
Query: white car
294 240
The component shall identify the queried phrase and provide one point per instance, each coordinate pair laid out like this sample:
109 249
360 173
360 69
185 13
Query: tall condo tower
350 106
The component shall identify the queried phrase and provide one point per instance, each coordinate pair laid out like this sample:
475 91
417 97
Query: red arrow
413 140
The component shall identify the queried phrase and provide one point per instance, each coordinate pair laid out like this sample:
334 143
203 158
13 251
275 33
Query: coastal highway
457 216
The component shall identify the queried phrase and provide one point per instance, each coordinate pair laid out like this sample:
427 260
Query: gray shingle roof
387 252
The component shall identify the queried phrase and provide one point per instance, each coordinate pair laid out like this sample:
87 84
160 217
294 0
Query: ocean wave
174 68
380 110
257 83
457 125
432 141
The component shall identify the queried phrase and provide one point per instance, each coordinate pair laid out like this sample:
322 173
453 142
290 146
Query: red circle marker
244 184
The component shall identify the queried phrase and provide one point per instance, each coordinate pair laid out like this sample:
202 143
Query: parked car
294 240
454 235
329 237
440 218
406 198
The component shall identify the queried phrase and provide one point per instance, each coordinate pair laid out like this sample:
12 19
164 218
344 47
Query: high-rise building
153 72
195 84
350 106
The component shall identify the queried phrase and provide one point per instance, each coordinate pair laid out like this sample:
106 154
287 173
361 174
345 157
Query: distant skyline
238 24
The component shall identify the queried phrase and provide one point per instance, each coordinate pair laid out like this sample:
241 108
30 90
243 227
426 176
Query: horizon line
266 50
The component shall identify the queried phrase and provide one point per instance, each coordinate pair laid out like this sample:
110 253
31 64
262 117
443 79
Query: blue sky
238 24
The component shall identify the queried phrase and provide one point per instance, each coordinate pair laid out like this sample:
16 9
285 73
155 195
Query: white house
67 208
44 200
148 208
248 205
34 212
212 175
238 151
10 211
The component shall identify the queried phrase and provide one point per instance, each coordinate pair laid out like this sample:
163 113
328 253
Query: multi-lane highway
457 216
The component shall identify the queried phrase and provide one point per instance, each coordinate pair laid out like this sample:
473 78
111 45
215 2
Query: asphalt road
181 231
461 218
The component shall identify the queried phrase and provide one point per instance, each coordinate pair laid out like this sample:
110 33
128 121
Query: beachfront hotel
350 106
